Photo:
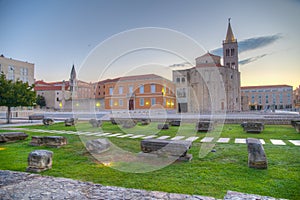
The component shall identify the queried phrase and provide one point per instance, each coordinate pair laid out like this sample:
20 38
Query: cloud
252 59
252 43
181 65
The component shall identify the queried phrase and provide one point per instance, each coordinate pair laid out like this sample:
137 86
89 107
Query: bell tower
73 79
230 50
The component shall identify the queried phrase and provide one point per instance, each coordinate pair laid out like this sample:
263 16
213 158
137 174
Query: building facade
15 69
211 86
268 97
296 97
139 92
62 95
55 93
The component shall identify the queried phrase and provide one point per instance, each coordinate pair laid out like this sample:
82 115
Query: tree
41 101
14 94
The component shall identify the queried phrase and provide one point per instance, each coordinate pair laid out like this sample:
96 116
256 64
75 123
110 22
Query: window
142 89
259 99
153 101
227 64
141 101
120 90
11 73
281 98
252 100
233 65
267 99
227 52
110 102
111 90
183 80
177 80
153 88
99 93
24 74
120 102
130 89
232 52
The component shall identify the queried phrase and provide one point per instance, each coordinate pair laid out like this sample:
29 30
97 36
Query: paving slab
123 136
262 141
240 140
163 137
114 135
277 142
192 139
137 136
207 139
150 136
178 137
295 142
223 140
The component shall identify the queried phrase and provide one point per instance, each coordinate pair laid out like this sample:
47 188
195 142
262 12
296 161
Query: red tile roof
264 86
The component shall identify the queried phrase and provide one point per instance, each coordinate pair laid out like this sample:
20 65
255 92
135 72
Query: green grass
213 175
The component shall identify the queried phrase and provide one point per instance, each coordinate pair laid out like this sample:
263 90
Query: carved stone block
12 136
204 126
48 121
39 160
49 141
253 127
256 155
163 126
95 123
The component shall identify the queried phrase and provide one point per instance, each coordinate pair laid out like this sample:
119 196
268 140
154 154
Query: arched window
232 52
227 52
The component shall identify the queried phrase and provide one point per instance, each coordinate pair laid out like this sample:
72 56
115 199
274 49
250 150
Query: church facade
210 86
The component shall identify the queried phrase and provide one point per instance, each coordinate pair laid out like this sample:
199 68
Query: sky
107 39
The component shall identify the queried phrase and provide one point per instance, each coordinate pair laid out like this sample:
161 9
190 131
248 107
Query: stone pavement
19 185
132 136
23 186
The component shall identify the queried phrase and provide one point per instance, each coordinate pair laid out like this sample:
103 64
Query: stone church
210 86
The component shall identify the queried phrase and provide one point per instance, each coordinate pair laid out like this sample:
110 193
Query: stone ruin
36 117
297 127
145 122
296 124
163 126
95 123
48 121
98 146
39 160
49 141
172 148
125 123
128 123
253 127
70 121
294 121
12 136
175 122
204 126
256 155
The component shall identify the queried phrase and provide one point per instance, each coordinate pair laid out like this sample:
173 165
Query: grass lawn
225 169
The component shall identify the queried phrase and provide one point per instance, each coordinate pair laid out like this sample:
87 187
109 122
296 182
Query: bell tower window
232 52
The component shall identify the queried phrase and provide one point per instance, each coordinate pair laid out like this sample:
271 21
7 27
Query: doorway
131 104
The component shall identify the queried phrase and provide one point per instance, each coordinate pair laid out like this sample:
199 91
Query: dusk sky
56 34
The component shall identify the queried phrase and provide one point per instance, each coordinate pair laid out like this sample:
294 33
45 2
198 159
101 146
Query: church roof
229 36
